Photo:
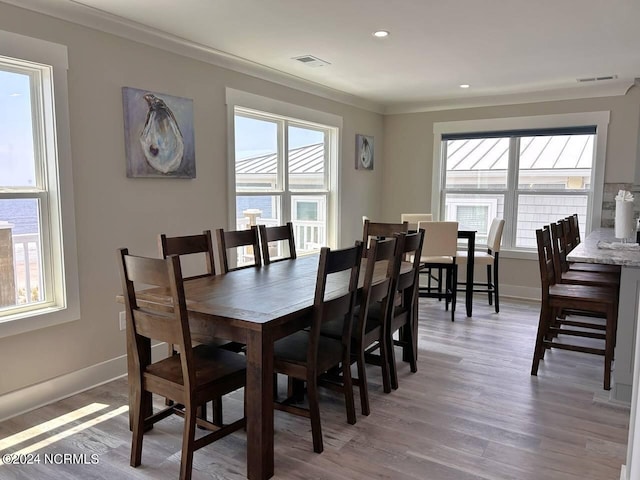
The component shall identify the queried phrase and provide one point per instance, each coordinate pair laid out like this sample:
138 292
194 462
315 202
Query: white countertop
588 251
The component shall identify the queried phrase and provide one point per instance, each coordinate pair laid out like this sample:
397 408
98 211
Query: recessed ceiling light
465 85
15 94
380 33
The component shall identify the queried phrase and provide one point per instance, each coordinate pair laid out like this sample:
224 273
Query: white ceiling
509 49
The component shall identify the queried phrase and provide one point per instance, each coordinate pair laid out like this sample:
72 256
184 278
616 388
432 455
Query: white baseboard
623 472
41 394
516 291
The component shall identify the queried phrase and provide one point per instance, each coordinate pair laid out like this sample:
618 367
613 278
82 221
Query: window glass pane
309 222
17 161
474 212
477 163
257 210
536 211
559 162
306 159
256 154
21 274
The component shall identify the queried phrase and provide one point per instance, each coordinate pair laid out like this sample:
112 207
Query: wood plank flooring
471 412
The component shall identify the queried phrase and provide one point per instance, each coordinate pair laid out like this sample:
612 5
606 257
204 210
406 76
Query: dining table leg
259 405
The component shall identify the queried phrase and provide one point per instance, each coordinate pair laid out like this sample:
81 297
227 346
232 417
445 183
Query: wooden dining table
254 306
470 237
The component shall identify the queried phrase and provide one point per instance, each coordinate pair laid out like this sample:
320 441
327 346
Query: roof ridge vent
311 61
597 79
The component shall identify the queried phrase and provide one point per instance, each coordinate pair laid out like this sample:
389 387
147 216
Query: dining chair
187 245
369 329
557 298
490 258
306 354
191 378
380 230
414 218
439 250
248 240
280 234
402 315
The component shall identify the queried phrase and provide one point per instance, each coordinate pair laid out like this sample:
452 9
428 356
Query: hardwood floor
472 411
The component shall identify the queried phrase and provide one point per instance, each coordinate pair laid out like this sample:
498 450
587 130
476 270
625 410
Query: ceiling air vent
311 61
597 79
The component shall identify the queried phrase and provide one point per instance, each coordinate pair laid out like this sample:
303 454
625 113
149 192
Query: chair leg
454 296
347 385
393 369
138 430
217 411
314 415
496 284
384 363
188 439
362 381
538 351
489 285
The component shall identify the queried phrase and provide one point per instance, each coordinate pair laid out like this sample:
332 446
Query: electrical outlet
122 317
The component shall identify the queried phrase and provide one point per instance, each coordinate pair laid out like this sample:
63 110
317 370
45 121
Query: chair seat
293 349
584 293
610 280
479 258
594 267
211 365
437 260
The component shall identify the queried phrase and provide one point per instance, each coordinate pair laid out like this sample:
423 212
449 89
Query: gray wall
408 150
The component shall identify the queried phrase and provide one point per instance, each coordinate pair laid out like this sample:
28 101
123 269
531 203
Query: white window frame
52 147
599 119
294 115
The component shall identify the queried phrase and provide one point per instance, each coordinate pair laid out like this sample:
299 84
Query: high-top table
255 306
626 371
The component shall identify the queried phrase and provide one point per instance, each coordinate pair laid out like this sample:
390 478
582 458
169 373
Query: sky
16 138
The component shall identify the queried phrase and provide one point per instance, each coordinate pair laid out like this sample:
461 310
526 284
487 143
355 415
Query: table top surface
588 251
259 295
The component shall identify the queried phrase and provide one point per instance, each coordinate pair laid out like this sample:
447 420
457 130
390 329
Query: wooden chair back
380 252
340 269
545 260
574 230
559 246
408 247
234 239
189 245
283 233
380 231
165 323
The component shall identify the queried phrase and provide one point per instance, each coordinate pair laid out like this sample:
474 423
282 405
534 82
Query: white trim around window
63 304
599 119
237 99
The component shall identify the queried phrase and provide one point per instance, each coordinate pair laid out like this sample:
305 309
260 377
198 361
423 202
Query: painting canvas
364 152
159 138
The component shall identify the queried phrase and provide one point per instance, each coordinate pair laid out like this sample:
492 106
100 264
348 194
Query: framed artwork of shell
158 131
364 152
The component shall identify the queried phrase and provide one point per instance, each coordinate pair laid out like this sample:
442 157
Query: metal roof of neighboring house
302 160
537 153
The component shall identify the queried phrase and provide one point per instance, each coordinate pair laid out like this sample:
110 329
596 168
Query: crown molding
608 89
76 12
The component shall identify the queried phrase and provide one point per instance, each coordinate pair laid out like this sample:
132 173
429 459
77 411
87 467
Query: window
533 175
38 279
284 170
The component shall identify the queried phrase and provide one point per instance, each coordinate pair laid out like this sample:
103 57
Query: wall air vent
311 61
597 79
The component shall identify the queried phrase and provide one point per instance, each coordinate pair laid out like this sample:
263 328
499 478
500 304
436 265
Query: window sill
519 254
37 319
